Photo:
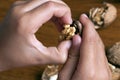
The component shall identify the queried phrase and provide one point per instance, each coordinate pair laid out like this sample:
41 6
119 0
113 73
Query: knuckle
16 3
21 22
63 58
16 10
66 8
103 77
91 75
50 4
94 75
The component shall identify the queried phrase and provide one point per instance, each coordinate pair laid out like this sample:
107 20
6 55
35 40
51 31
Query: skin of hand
87 60
18 44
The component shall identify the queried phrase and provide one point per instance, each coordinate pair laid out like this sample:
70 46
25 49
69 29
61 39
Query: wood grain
109 35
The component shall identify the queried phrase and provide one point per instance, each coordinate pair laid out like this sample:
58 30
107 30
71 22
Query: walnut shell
103 16
110 15
113 54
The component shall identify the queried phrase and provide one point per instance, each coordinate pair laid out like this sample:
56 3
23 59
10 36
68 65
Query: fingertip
76 39
83 18
67 43
88 26
67 19
63 49
64 45
74 50
86 22
70 20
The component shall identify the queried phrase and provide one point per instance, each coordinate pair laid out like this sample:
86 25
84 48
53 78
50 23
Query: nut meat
70 30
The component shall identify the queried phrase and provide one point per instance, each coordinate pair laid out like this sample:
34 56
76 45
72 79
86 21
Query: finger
59 55
45 12
58 23
16 3
91 39
87 48
92 55
49 55
31 4
69 67
102 62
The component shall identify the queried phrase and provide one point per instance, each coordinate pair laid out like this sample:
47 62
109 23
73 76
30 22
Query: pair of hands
85 57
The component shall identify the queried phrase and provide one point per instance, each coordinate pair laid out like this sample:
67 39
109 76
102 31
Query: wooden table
109 35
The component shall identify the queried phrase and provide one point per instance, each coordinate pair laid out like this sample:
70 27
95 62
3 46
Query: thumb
72 61
59 55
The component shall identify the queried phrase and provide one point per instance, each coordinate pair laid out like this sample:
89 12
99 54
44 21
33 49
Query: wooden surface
109 35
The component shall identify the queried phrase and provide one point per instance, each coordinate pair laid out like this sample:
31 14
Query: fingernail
70 20
84 15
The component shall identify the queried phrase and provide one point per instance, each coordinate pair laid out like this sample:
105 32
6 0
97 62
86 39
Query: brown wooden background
109 35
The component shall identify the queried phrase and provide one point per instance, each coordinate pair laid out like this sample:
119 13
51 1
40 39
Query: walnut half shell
113 54
103 16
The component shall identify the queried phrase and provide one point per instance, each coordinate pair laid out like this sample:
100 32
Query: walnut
103 16
70 30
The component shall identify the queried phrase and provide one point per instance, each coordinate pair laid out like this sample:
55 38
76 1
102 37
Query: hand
87 60
18 44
